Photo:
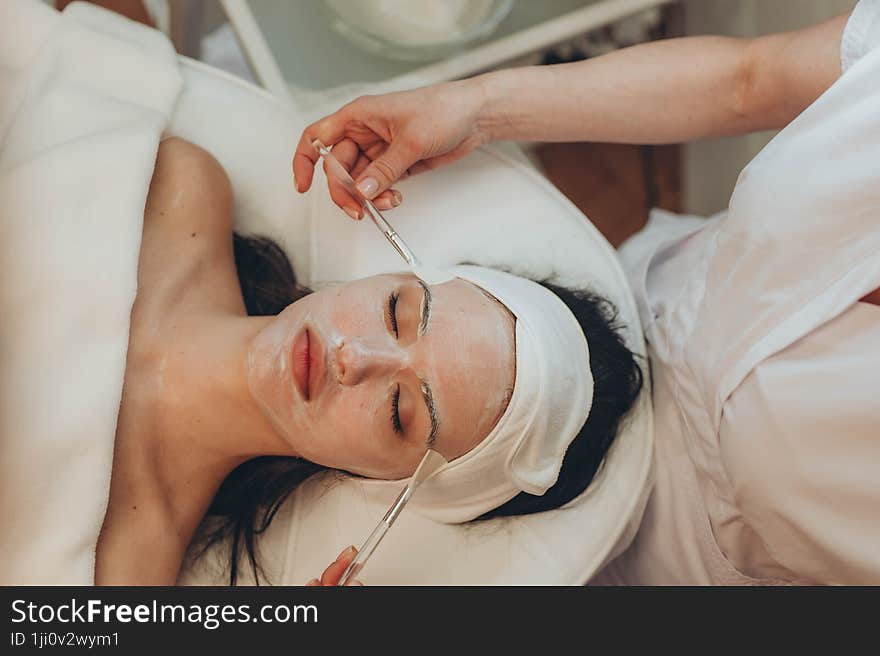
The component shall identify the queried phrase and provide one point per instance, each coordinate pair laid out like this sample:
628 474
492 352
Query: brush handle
390 234
366 550
345 179
368 547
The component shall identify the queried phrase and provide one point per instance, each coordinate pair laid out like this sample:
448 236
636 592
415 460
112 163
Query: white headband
552 395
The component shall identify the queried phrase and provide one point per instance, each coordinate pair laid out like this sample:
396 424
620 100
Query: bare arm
667 91
786 72
663 92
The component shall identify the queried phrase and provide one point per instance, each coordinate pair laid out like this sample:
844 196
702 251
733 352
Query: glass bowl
416 30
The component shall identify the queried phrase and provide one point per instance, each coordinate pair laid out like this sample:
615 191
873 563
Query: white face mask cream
431 275
341 374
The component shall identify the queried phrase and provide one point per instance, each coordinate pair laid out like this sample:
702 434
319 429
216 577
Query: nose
358 359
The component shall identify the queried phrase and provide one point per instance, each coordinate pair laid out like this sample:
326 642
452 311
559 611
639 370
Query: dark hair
251 495
617 380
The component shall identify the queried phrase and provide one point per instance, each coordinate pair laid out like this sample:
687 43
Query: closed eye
395 412
391 311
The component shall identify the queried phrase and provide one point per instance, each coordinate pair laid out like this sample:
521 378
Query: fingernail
368 187
398 198
350 551
352 213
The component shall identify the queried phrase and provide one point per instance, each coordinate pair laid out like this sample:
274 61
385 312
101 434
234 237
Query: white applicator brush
431 462
427 274
431 275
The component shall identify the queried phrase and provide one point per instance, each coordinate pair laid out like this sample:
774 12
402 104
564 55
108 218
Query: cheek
351 314
340 311
362 442
351 408
341 434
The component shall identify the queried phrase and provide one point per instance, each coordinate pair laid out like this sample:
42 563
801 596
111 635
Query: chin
269 375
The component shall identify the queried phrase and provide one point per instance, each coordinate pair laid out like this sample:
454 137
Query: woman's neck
194 417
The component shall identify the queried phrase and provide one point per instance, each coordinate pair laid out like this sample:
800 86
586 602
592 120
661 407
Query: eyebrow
425 314
427 394
432 411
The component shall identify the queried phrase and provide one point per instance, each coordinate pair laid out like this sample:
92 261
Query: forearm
667 91
661 92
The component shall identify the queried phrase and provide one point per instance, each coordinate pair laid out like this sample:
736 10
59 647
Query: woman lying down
239 385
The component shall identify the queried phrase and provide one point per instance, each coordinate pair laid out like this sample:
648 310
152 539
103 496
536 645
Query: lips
302 362
317 364
307 363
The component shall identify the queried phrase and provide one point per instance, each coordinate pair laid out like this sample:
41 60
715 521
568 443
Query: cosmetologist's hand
334 570
381 139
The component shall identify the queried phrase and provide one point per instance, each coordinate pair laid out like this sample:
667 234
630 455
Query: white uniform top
766 366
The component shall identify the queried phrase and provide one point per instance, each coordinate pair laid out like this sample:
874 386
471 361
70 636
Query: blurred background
317 54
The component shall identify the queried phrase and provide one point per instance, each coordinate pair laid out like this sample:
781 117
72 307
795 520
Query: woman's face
365 376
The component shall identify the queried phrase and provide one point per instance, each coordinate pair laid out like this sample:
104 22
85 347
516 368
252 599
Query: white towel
84 97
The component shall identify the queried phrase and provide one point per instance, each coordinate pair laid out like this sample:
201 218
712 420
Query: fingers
329 130
335 570
370 160
316 583
346 153
387 168
350 157
360 165
388 199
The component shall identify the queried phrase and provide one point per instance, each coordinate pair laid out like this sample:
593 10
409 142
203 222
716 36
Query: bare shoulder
187 237
180 152
190 173
190 203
